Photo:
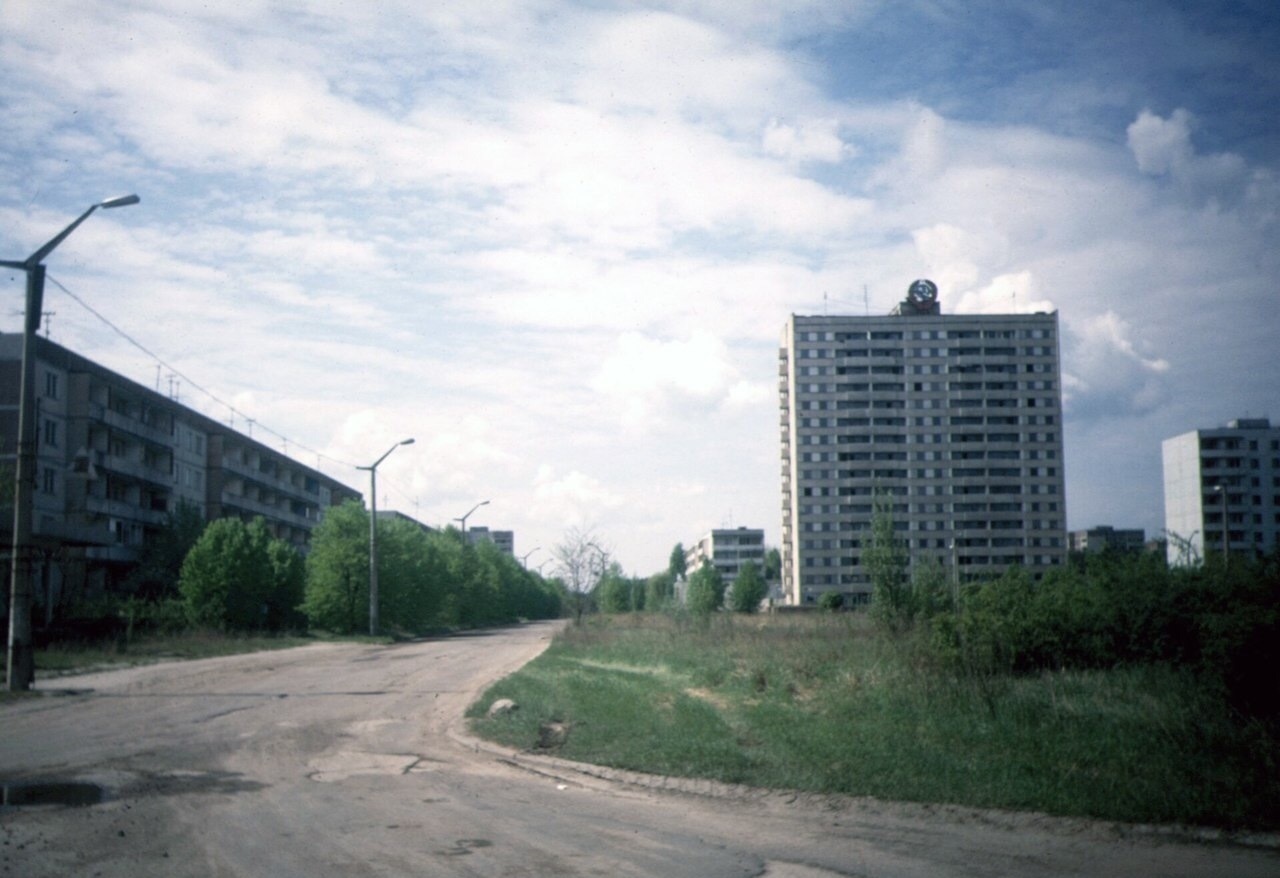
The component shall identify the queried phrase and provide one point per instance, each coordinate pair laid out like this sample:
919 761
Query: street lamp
464 518
524 559
21 656
373 535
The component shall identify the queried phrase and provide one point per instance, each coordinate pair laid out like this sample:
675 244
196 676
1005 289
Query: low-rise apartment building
114 458
729 550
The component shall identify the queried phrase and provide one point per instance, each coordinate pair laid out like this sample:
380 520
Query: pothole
18 795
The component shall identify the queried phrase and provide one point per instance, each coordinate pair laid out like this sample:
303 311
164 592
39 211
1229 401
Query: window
51 385
49 480
51 434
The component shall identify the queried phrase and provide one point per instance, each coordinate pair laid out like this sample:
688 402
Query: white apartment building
729 550
1099 539
1222 486
954 420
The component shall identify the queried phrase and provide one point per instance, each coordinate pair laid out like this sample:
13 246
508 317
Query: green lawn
825 703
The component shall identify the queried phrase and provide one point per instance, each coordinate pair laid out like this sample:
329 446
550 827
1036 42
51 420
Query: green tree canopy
748 590
164 551
614 592
658 591
886 563
677 564
238 577
772 565
706 590
337 591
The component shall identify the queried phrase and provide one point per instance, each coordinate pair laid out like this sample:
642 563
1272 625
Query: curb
570 772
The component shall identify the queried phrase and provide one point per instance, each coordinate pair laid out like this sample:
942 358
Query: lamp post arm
37 257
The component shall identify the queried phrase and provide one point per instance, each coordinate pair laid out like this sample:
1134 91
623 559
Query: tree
658 590
706 591
164 551
886 563
581 562
772 566
288 586
614 592
337 591
748 590
678 564
226 579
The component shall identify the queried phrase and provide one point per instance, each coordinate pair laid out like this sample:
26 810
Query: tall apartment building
114 458
954 421
729 550
1222 486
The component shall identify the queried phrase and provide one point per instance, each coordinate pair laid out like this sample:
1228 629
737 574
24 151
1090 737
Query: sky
556 243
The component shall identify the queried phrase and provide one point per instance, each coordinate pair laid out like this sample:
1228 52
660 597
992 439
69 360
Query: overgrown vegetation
228 579
1116 689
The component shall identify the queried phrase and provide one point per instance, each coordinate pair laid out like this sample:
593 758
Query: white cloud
815 140
1005 294
573 499
1107 373
648 378
1161 145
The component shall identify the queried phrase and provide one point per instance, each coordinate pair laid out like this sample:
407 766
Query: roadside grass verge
62 658
827 704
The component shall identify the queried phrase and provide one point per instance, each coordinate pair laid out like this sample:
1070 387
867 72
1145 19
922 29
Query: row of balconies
291 482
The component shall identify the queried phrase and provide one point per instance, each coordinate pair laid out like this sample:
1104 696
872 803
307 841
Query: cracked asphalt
354 760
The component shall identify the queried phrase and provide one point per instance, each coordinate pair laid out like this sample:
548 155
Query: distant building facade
1222 489
728 550
955 421
503 539
1104 537
115 458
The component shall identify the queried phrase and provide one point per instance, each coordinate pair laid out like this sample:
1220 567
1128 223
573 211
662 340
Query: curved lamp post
464 518
21 668
524 559
373 535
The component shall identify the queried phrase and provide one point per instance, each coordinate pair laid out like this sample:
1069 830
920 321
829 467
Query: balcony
114 463
125 510
133 426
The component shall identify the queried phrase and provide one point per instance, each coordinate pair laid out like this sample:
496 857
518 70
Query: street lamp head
120 201
407 441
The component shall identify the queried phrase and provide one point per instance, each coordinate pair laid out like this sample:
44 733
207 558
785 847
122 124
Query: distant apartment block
391 515
1104 537
1222 488
114 458
728 550
503 539
955 421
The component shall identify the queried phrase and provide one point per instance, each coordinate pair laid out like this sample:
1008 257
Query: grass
827 704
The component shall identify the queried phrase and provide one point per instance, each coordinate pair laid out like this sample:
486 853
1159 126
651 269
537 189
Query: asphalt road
350 760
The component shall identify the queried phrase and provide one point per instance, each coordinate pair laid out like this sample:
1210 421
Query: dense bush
748 590
706 591
1221 624
237 577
